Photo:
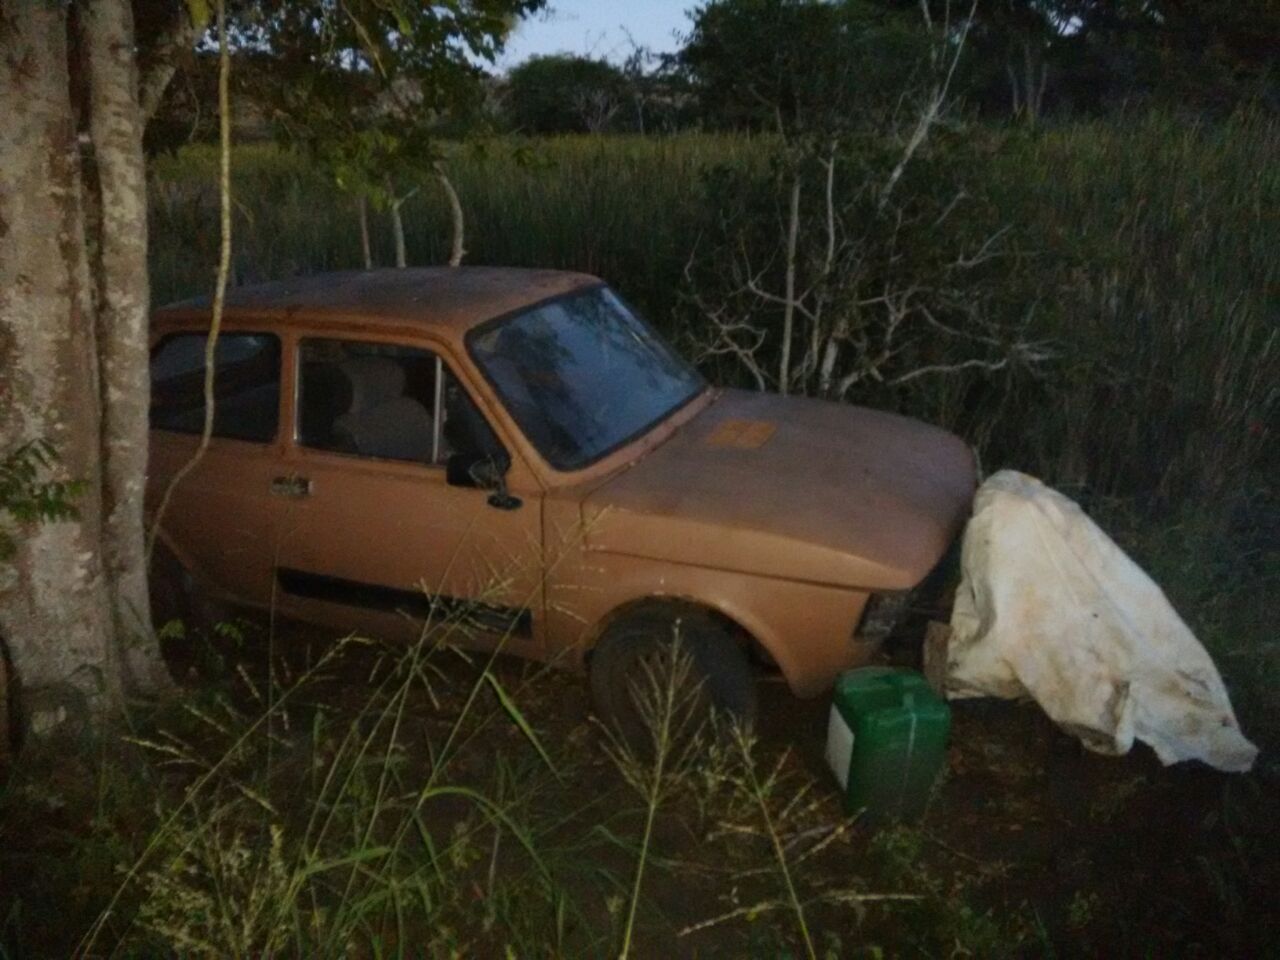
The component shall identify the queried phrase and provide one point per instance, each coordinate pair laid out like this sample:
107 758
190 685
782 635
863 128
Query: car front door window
387 402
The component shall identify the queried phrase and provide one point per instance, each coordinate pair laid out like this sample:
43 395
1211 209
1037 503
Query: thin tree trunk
362 208
123 294
1037 80
397 231
929 115
789 308
456 252
55 602
1033 85
831 351
1015 101
397 225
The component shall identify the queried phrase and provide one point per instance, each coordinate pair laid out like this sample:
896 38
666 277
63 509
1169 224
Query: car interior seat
382 421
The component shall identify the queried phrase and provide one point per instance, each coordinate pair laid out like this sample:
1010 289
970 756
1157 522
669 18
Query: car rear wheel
635 651
177 599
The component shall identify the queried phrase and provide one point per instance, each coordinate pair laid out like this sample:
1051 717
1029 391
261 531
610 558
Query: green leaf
514 713
360 856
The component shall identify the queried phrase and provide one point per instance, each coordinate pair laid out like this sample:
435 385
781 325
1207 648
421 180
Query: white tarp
1050 607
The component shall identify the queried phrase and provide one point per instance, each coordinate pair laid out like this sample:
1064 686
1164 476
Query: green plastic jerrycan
886 741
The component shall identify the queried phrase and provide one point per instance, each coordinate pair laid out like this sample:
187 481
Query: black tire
718 662
176 596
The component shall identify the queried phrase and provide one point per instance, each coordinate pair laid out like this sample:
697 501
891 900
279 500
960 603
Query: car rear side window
246 385
385 401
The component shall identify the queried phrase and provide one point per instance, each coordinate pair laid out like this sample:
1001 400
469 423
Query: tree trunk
1015 101
456 250
362 209
397 224
74 611
55 610
789 307
123 295
397 232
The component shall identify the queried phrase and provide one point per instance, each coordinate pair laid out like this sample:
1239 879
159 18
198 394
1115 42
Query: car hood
792 487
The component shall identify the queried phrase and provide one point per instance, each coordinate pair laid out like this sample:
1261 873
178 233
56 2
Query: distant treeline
1028 60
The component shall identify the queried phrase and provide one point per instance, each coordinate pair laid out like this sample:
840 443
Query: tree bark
55 609
74 298
123 295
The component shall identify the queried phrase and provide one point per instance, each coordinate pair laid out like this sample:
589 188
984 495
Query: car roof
452 297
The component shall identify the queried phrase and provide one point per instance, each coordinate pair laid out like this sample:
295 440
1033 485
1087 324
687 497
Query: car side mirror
475 470
484 472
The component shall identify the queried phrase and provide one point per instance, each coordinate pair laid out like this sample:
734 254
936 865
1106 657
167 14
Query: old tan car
516 448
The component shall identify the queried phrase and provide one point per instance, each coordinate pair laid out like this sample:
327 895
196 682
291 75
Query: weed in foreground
667 698
288 829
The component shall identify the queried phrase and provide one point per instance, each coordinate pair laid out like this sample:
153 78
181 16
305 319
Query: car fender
807 629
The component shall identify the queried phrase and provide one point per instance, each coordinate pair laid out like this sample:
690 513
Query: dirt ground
1032 846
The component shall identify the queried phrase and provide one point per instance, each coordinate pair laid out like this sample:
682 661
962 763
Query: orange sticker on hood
742 434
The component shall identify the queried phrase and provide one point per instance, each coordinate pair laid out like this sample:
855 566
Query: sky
598 28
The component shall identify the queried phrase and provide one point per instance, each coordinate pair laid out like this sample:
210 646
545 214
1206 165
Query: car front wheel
636 656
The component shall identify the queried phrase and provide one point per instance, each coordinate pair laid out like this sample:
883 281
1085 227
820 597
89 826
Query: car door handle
295 487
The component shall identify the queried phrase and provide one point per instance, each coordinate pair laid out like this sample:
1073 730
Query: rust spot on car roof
456 297
742 434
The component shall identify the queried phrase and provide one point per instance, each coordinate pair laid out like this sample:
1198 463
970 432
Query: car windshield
582 375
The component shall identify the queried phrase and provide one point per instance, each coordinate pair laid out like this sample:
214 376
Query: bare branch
990 366
789 307
983 254
929 116
737 338
752 284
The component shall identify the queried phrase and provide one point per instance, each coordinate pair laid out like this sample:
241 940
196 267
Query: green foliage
29 498
1202 56
800 66
367 87
563 94
1152 255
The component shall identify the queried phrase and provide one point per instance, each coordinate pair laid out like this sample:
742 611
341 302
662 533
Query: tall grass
1159 264
1146 254
624 208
